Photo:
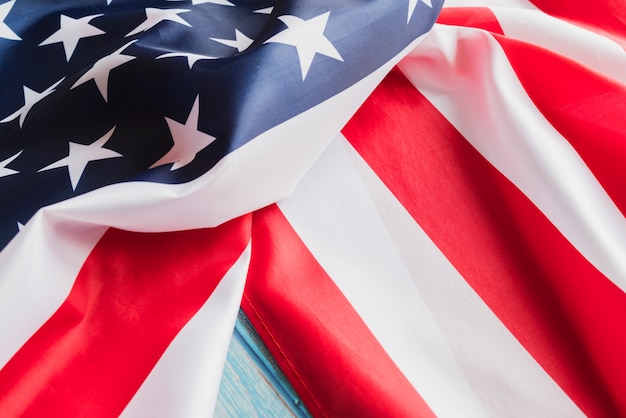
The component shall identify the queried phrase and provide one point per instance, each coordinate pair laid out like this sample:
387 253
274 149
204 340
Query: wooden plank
252 385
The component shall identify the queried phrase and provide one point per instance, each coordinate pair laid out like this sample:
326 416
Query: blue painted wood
252 384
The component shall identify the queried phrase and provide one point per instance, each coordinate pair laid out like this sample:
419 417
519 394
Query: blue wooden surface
252 385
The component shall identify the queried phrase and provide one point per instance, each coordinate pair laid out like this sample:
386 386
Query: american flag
445 232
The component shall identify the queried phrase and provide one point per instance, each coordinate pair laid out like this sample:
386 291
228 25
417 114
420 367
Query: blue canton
101 92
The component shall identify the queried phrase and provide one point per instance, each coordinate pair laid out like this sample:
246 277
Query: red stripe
134 293
602 16
583 106
566 314
325 349
471 17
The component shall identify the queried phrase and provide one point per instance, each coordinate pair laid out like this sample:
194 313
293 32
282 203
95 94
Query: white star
188 140
109 2
101 69
4 171
80 155
191 58
20 226
413 4
241 42
31 98
5 31
221 2
308 38
266 11
71 31
156 16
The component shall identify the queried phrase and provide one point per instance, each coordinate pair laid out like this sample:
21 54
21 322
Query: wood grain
252 385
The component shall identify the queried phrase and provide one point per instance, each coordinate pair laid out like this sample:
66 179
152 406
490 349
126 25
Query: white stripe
452 348
37 273
332 214
38 267
589 48
466 75
185 382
